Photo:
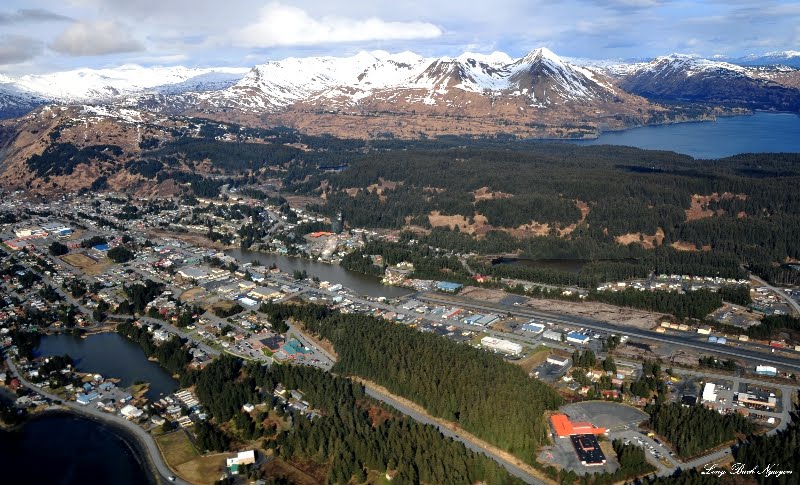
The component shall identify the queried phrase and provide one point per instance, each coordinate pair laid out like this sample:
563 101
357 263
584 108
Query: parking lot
605 414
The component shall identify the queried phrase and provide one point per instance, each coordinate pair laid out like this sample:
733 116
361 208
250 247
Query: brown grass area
531 361
377 414
192 294
176 448
684 246
484 193
86 264
599 311
699 206
78 260
484 294
461 432
299 473
584 208
302 200
480 226
223 305
647 241
203 470
531 229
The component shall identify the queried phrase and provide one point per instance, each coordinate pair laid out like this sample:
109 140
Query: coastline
133 443
157 467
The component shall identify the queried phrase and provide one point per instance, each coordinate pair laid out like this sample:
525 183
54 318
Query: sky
38 36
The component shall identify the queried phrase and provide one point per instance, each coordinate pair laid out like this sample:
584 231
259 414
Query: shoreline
132 442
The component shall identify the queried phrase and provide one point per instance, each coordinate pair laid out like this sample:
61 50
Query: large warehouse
501 345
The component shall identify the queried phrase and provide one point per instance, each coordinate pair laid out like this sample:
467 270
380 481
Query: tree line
692 430
482 393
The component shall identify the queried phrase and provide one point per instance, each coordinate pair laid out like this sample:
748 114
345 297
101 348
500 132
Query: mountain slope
104 85
538 95
690 78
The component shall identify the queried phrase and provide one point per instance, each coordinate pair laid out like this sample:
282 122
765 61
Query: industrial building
448 286
486 320
57 228
558 361
766 370
552 335
533 327
757 398
577 338
588 450
710 392
501 345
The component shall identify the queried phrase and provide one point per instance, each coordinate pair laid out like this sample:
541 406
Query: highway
788 299
684 341
512 467
146 441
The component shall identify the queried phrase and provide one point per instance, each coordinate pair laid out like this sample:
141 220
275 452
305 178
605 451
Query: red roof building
565 428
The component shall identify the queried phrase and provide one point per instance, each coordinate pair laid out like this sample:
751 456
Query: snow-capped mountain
541 77
104 85
785 58
15 102
692 78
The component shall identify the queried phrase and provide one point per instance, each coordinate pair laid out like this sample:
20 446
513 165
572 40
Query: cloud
18 48
628 4
31 15
95 38
284 25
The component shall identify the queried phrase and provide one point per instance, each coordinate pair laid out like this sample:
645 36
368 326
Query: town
201 274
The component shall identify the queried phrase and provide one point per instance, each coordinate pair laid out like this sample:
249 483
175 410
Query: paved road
144 438
769 358
788 299
512 468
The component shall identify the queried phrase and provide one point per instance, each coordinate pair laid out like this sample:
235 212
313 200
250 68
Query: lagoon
113 356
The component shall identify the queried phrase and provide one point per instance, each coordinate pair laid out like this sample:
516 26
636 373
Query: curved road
512 467
788 299
145 440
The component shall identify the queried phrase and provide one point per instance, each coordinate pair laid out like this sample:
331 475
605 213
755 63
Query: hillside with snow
691 78
541 78
107 85
536 95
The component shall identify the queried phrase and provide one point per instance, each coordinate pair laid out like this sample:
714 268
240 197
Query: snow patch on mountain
96 85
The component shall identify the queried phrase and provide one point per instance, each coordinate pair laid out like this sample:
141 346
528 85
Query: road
145 440
767 358
512 467
788 299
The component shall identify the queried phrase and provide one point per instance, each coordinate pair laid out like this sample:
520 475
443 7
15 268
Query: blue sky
43 35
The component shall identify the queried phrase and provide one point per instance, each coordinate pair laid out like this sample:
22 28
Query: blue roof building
86 398
577 338
448 286
294 347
